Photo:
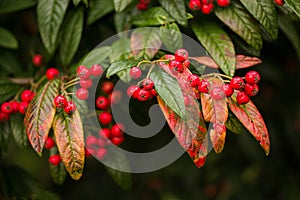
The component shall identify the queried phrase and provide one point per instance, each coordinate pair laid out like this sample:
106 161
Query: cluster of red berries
206 6
279 2
86 82
62 103
144 92
143 4
54 159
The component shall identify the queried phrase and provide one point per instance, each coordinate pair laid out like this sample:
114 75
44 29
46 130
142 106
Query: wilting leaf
252 120
18 130
69 135
40 114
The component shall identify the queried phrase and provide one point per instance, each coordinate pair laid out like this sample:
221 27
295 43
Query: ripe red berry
82 93
242 98
237 83
105 118
22 107
54 159
206 2
52 73
228 90
102 102
252 77
176 66
186 63
181 55
27 95
86 83
101 153
204 86
49 143
83 72
96 70
135 72
135 94
148 84
88 152
107 87
6 108
251 90
223 3
116 130
143 95
217 93
70 107
14 106
153 92
195 4
194 80
117 140
279 2
142 6
131 89
207 8
37 60
4 117
104 133
60 101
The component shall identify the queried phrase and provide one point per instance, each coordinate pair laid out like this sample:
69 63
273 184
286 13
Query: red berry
52 73
22 107
143 95
102 102
105 118
91 140
14 106
54 159
135 94
131 89
104 133
60 101
186 63
27 95
207 2
207 8
279 2
88 152
117 140
101 153
153 92
96 70
86 83
228 90
6 108
37 60
116 130
223 3
4 117
194 80
107 87
204 86
70 107
242 98
181 55
195 4
49 143
82 93
217 93
83 72
251 90
142 6
135 72
176 66
237 83
148 84
252 77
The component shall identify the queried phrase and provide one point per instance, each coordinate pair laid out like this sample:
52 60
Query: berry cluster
143 93
62 103
143 4
206 6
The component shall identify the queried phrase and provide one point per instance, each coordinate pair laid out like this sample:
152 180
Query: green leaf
96 56
40 114
82 106
76 2
171 37
241 22
71 36
233 124
218 44
7 39
7 90
99 8
18 130
264 11
118 66
5 132
69 135
145 42
294 5
169 90
10 64
176 9
122 21
58 172
120 5
152 17
50 14
120 50
196 68
7 6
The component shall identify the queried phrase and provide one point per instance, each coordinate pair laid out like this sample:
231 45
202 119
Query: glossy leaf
171 37
96 56
217 138
120 50
58 172
241 22
7 90
18 130
145 42
252 120
120 5
5 133
264 11
99 8
50 14
233 124
71 36
7 39
7 6
40 114
218 44
176 9
294 5
119 66
69 135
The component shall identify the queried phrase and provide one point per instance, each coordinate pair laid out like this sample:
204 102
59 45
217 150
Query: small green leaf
120 50
169 90
50 14
96 56
218 44
7 89
71 36
152 17
18 130
7 6
171 36
58 172
233 124
241 22
5 132
99 8
120 5
176 9
7 39
121 65
294 5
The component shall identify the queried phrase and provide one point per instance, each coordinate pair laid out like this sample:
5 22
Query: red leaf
250 117
207 61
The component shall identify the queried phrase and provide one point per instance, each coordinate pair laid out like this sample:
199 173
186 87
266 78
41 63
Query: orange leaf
250 117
